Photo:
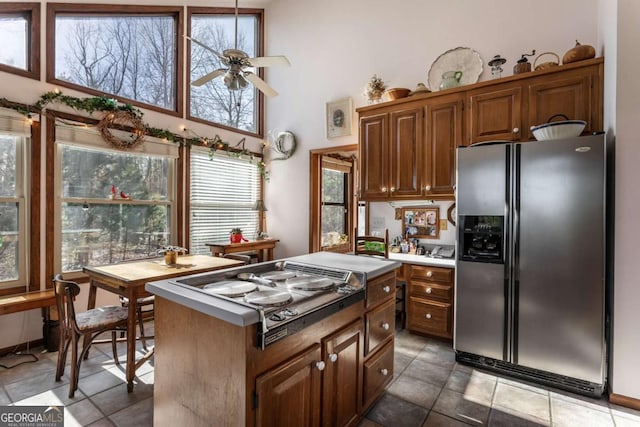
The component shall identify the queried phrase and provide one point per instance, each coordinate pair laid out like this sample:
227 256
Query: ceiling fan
235 76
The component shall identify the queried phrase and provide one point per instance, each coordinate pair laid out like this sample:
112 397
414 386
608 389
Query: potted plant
171 253
236 236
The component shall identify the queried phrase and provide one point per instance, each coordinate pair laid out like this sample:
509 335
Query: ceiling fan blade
270 61
216 53
260 84
208 77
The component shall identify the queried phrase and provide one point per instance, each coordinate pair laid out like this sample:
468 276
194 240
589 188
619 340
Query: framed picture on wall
339 117
421 223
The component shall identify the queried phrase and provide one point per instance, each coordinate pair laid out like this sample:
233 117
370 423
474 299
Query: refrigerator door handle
515 252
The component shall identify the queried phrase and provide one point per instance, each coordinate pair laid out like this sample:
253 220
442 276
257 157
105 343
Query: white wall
626 338
336 46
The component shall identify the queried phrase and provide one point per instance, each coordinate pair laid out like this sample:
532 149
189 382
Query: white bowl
558 130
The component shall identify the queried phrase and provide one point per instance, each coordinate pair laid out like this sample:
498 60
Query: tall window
213 102
335 201
14 144
131 53
113 206
224 191
20 35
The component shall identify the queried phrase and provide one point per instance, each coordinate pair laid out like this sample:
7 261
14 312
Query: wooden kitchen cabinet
407 146
291 392
431 300
575 94
342 377
444 125
507 110
390 151
495 113
379 337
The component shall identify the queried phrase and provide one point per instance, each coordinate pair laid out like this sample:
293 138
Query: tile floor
428 389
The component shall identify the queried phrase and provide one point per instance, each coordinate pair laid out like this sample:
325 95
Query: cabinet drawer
378 371
381 289
434 274
431 290
380 325
429 316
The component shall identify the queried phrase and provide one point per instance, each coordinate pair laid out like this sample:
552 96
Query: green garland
104 104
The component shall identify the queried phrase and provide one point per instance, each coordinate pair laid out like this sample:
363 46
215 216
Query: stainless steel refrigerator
530 274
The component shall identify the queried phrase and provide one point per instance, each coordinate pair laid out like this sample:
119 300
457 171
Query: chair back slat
371 245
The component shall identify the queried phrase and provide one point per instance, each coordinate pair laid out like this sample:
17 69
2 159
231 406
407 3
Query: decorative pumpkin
579 53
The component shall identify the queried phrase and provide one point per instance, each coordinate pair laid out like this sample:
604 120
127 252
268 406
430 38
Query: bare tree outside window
213 101
129 56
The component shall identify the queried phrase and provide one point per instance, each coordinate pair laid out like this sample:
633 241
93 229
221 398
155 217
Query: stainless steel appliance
288 296
530 276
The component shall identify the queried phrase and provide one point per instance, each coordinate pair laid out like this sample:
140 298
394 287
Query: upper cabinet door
405 152
444 133
374 157
570 95
495 113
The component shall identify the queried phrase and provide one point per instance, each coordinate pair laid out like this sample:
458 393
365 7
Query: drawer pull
428 315
387 289
427 188
428 290
385 326
333 357
384 371
320 365
429 273
516 130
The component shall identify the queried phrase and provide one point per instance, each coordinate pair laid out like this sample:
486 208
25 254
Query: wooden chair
379 246
141 304
90 323
371 245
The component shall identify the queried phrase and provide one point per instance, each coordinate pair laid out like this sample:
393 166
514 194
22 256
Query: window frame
346 185
54 198
29 222
259 13
32 10
110 10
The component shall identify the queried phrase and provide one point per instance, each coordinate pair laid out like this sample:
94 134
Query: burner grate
340 275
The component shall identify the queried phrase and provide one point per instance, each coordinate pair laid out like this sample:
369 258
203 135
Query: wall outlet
377 222
443 224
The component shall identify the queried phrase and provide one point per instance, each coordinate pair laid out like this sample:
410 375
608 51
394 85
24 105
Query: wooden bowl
395 93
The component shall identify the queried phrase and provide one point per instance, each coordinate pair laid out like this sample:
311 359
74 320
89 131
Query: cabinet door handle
320 365
333 357
427 188
516 130
428 315
387 289
383 189
384 372
428 290
392 189
385 326
429 273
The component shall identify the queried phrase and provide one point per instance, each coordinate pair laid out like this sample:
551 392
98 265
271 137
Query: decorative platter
459 59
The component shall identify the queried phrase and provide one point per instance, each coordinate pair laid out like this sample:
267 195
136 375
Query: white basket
558 130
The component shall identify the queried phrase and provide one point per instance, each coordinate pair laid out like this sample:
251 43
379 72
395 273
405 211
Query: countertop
243 316
369 265
423 260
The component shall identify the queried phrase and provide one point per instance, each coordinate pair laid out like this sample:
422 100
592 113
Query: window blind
224 191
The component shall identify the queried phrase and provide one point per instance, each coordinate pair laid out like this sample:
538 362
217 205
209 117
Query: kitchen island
213 366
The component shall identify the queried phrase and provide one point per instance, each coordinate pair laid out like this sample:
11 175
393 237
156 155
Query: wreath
122 119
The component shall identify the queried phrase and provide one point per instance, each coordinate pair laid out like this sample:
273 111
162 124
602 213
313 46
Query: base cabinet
290 394
342 377
431 298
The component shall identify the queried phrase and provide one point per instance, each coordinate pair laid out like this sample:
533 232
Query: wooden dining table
128 279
